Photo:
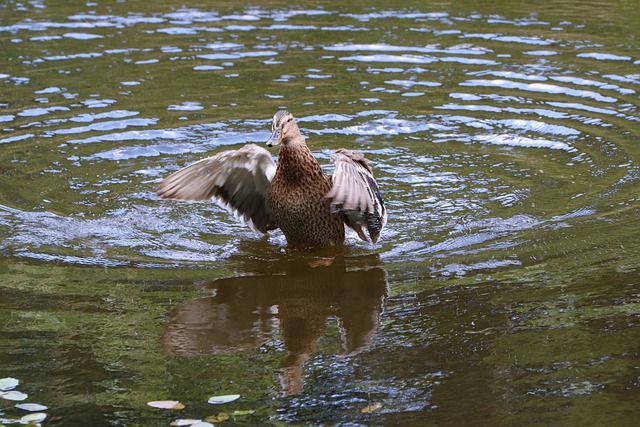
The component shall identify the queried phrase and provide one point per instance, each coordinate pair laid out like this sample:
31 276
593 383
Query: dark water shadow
298 295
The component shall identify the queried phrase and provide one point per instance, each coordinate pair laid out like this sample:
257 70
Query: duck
310 207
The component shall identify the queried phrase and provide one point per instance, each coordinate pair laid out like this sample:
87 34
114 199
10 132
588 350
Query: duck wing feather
355 193
238 180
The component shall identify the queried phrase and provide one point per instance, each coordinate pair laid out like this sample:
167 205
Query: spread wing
355 193
238 180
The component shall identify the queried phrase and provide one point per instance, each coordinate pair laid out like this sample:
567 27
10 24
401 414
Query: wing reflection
245 313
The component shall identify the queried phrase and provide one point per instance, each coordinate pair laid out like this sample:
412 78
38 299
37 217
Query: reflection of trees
244 313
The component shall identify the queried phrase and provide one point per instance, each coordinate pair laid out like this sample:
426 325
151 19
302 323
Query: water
504 137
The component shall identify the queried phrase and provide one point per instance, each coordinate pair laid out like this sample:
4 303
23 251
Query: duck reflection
245 312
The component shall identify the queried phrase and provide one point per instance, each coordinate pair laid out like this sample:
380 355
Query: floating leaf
202 424
186 422
217 400
222 416
242 413
36 417
166 404
31 407
371 408
13 395
8 383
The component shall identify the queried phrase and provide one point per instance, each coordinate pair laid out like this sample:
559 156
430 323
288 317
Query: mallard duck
310 207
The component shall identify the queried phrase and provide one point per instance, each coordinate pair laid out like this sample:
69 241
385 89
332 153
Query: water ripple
603 56
522 141
466 117
107 126
539 87
225 56
134 135
377 47
414 59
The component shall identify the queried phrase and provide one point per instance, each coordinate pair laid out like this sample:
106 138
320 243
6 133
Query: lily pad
36 417
218 400
8 383
31 407
202 424
13 395
166 404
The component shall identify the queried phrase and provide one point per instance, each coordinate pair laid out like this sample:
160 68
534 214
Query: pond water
505 289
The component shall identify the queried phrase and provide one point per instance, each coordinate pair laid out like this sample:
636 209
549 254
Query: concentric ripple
485 143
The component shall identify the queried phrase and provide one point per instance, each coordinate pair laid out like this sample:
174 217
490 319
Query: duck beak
275 139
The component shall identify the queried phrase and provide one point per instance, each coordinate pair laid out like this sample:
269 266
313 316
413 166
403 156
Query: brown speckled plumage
297 198
310 207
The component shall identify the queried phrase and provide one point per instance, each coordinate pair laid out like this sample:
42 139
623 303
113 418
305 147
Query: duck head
284 129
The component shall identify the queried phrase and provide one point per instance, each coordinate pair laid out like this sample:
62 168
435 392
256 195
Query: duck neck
296 162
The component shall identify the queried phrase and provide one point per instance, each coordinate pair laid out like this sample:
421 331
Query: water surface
504 137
